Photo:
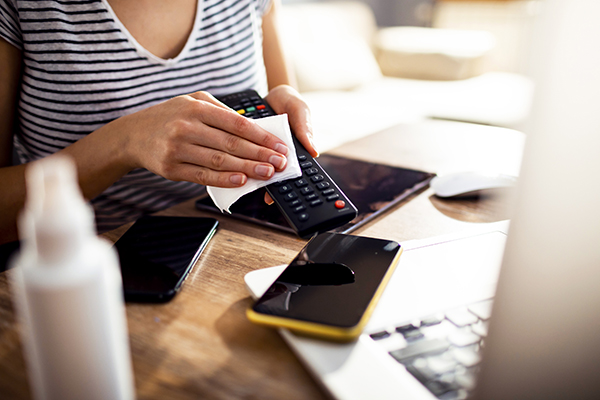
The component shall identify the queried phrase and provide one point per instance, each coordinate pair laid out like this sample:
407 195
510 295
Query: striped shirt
83 69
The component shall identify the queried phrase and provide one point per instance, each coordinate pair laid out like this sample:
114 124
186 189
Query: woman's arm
10 77
280 76
279 68
193 138
12 191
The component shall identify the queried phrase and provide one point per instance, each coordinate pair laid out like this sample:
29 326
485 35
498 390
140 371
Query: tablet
372 187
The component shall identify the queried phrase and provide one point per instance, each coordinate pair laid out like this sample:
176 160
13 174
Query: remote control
311 203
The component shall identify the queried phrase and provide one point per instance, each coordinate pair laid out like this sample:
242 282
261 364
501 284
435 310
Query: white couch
331 46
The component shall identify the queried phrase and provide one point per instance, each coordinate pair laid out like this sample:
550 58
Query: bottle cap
56 220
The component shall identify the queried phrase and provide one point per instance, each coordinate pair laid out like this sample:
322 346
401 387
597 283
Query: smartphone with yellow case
331 288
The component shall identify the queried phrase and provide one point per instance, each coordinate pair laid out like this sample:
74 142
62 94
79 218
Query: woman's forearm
279 69
99 160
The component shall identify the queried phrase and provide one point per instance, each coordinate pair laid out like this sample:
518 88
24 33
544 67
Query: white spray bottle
68 293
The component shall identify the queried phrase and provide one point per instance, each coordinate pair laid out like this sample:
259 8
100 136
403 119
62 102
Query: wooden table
200 345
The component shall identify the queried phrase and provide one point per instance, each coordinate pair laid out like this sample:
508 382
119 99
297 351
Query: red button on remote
340 204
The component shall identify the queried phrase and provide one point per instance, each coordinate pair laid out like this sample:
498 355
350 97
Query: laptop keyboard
441 351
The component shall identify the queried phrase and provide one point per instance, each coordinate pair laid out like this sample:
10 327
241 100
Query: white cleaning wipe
277 125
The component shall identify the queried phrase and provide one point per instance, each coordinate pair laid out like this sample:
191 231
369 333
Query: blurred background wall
395 12
509 21
405 61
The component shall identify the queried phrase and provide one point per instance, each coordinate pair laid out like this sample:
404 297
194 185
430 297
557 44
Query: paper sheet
279 126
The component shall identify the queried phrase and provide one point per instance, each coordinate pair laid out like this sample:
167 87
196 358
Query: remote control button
299 208
301 157
312 171
250 109
285 189
317 178
323 185
301 183
295 203
303 217
305 164
290 196
333 197
260 107
306 190
328 191
340 204
241 112
311 197
315 203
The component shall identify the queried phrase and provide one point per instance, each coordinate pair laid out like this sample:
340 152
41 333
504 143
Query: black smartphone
158 252
331 288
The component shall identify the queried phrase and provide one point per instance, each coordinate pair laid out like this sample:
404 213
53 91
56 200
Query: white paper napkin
277 125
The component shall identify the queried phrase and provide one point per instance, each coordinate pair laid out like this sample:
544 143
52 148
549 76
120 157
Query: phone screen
157 253
332 281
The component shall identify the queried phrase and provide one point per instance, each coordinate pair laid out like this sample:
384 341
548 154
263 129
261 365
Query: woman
125 87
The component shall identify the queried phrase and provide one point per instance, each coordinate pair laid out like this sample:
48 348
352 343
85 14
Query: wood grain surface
200 345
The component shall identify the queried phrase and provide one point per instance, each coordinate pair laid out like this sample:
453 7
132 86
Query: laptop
530 292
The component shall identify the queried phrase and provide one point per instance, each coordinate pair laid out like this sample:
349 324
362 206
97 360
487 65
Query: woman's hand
286 100
198 139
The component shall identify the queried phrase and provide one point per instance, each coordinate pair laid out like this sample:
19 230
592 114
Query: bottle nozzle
56 216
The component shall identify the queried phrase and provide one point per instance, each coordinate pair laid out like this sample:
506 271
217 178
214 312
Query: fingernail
312 143
278 161
237 179
281 148
264 170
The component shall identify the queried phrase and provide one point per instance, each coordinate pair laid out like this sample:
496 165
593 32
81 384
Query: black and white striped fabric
83 69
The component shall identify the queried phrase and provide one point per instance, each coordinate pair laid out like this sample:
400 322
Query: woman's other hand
286 100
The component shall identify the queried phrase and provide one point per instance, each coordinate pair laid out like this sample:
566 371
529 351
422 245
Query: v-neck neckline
141 50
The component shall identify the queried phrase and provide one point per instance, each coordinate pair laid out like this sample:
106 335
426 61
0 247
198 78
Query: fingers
243 128
220 161
228 143
221 128
301 125
205 96
212 113
209 177
268 199
285 99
